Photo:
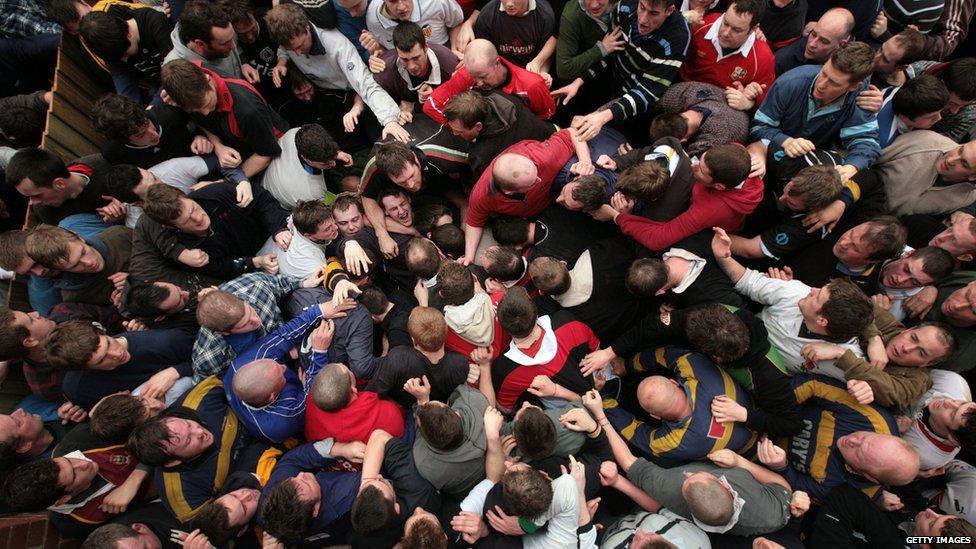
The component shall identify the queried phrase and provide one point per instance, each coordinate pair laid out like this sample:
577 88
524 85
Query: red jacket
458 344
709 208
354 422
527 86
703 64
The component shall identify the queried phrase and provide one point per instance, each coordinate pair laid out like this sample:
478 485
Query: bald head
479 54
831 32
258 383
514 173
332 388
886 459
661 397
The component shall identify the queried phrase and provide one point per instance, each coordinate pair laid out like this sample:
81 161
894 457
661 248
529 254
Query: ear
59 182
822 322
478 126
30 342
719 186
172 463
965 258
315 509
63 499
24 446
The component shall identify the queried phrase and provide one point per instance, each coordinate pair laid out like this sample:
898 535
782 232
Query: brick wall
31 531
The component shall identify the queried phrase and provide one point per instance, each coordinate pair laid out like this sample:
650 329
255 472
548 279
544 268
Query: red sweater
354 422
549 156
527 86
709 208
703 63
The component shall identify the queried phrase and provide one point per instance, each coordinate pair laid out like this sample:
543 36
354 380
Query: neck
37 353
133 40
76 184
677 269
531 239
694 120
433 356
41 444
529 340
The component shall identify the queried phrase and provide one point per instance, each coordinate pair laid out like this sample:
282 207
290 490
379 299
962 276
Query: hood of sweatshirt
474 321
603 22
501 116
741 200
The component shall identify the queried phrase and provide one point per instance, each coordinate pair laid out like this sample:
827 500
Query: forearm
621 453
255 164
485 385
545 54
472 238
375 216
762 474
639 496
580 146
732 268
494 460
375 452
750 248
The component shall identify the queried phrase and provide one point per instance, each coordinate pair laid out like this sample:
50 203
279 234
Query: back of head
455 283
428 217
185 83
309 214
371 512
959 77
717 333
40 166
109 535
470 107
729 163
252 384
408 34
517 313
440 426
32 487
62 12
285 22
855 60
669 124
424 533
504 263
314 143
220 311
422 258
428 328
213 521
912 43
199 17
480 53
591 192
71 344
924 94
143 300
708 501
646 181
11 336
283 514
116 417
817 186
21 126
527 491
550 275
107 36
535 434
49 245
887 237
147 442
392 157
848 311
510 231
450 239
646 276
119 181
118 117
512 171
373 298
332 388
13 249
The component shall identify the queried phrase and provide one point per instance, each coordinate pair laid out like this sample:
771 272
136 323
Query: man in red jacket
486 70
722 197
335 408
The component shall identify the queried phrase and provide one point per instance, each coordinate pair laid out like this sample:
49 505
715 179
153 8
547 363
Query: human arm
722 251
571 58
728 459
749 248
377 219
472 238
766 121
118 500
357 73
374 454
494 455
609 476
950 31
893 387
859 136
540 63
621 452
434 106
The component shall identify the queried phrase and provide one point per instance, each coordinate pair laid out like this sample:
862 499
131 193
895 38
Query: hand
117 501
846 171
118 279
474 374
113 211
270 542
278 75
724 410
786 273
582 168
250 73
470 525
757 164
350 119
815 352
72 413
861 391
134 325
376 64
763 543
596 360
332 310
770 455
355 258
593 402
504 523
267 263
542 386
880 25
493 285
406 112
754 89
577 470
797 146
314 279
721 243
827 216
194 258
590 125
870 99
322 335
606 162
614 41
493 423
877 354
725 458
567 92
882 301
509 445
534 66
919 305
388 246
370 43
621 203
161 382
736 97
579 420
608 473
624 148
344 158
344 291
604 213
349 451
889 501
800 503
201 145
419 388
481 356
904 423
228 157
693 17
397 132
283 239
809 27
421 293
244 194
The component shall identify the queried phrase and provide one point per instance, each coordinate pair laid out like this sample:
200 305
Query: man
439 19
893 57
523 32
241 125
299 172
708 118
810 106
204 34
953 301
796 314
133 47
941 422
413 68
486 70
329 61
901 278
915 106
256 46
89 267
830 33
724 51
144 137
556 232
337 410
927 173
783 23
655 44
960 114
584 37
313 230
27 437
517 182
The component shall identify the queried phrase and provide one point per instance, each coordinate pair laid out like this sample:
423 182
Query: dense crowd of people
494 273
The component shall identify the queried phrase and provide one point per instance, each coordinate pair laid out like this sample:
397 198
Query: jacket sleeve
894 387
269 212
767 119
776 412
860 137
570 60
950 30
649 332
383 106
540 101
277 345
434 107
359 348
310 456
639 435
658 235
848 514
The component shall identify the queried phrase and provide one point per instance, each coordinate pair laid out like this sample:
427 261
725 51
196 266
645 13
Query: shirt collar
712 36
317 47
433 78
225 101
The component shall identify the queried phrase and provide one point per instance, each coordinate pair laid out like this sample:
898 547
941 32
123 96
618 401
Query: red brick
35 536
18 537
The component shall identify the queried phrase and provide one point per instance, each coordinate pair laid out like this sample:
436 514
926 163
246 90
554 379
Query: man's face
399 9
21 425
515 8
75 475
821 44
489 76
949 414
187 438
82 258
397 208
36 325
410 178
349 221
905 273
222 41
147 180
916 347
460 130
888 57
703 174
53 196
565 198
790 202
301 44
241 505
327 231
247 30
176 297
930 523
209 100
383 485
955 104
831 84
957 165
960 306
249 322
145 540
28 266
307 487
415 61
923 121
854 246
650 16
958 239
109 354
858 449
304 91
597 8
356 8
82 9
192 218
811 305
148 137
735 28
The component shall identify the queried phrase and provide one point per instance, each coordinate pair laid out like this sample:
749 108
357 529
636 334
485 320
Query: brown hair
11 337
646 181
13 248
913 42
549 275
887 237
646 276
424 534
186 83
284 514
527 492
422 258
856 59
163 203
535 434
470 107
48 245
440 426
116 417
848 311
729 163
669 124
817 186
71 344
428 328
517 313
455 283
285 22
717 332
392 157
220 311
309 214
591 192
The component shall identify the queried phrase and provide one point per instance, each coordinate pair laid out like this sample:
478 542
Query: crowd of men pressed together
505 273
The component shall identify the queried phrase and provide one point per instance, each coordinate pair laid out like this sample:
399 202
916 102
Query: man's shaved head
480 54
258 383
514 173
885 458
661 397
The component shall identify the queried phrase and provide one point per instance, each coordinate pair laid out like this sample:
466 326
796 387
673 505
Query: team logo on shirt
738 73
716 430
119 459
